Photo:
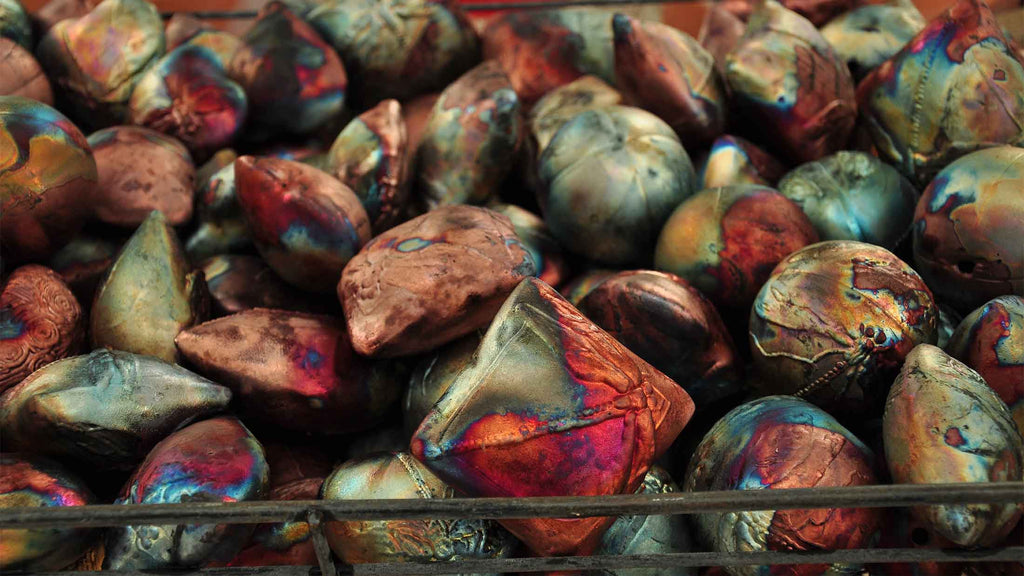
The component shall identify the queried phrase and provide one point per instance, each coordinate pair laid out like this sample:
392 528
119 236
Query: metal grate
317 512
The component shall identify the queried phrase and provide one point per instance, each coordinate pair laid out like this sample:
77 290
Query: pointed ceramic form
293 370
943 424
106 409
369 156
431 280
40 322
957 86
787 79
305 223
149 294
669 74
551 405
471 139
216 460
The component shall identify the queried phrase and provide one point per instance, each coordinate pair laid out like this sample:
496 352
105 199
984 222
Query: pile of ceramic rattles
376 249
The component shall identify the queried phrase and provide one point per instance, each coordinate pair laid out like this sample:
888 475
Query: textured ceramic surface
398 48
610 178
787 78
734 160
141 170
545 383
397 475
869 35
667 322
47 179
967 228
853 196
944 424
834 323
21 74
289 369
783 442
431 280
216 460
726 241
239 282
471 140
40 322
106 409
187 94
957 86
95 61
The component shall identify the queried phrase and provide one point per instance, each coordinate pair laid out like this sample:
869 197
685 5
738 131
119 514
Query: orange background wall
685 15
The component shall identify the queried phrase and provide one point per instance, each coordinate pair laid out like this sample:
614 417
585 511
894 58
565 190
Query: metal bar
562 563
323 550
882 496
469 7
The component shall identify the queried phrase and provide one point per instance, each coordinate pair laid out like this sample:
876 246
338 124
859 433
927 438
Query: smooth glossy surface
305 223
96 60
370 156
725 241
869 35
83 263
955 87
21 75
967 228
47 178
187 94
720 31
776 443
106 409
787 78
991 341
26 481
834 323
216 460
431 280
397 475
853 196
471 140
294 80
149 295
141 170
398 48
40 322
610 178
544 49
667 322
560 105
944 424
551 405
669 74
289 369
734 160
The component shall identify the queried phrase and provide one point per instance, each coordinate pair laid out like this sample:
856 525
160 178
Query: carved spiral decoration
40 322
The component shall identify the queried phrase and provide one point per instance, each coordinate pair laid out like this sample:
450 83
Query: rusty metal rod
882 496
